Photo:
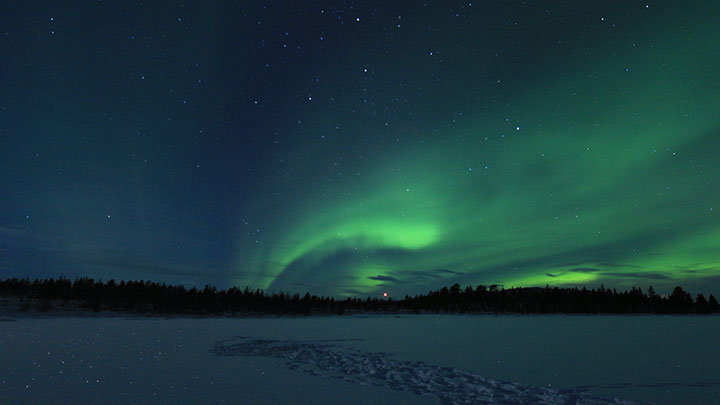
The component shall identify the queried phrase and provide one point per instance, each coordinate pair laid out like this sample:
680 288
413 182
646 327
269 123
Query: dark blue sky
349 148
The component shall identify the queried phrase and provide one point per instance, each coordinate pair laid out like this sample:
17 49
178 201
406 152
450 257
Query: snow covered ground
374 359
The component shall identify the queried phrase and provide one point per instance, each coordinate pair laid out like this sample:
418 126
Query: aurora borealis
351 148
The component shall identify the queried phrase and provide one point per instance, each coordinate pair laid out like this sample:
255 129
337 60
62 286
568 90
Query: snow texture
328 358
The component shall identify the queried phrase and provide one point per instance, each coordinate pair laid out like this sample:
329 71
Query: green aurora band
602 174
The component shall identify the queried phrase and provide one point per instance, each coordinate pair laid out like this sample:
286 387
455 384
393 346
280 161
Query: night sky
350 148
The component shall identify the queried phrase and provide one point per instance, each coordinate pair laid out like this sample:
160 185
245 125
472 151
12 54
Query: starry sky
349 148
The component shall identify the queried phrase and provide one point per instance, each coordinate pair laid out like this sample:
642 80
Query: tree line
159 298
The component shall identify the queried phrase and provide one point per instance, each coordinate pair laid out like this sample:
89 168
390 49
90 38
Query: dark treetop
155 298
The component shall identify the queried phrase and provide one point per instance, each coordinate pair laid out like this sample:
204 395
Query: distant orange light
385 294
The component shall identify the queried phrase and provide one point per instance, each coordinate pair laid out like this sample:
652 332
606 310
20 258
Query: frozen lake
374 359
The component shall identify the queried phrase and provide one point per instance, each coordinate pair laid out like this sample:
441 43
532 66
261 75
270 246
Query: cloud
420 274
383 278
583 270
620 265
648 275
457 273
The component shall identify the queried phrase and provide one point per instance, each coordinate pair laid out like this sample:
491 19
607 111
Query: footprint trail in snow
447 385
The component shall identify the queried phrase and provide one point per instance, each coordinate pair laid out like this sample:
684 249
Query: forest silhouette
146 297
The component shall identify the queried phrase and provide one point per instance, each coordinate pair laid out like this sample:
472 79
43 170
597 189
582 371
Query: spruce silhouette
159 298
